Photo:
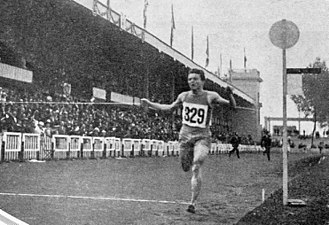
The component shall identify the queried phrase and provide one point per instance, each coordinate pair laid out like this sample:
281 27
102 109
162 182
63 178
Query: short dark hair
200 72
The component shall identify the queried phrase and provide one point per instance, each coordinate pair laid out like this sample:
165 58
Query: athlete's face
194 81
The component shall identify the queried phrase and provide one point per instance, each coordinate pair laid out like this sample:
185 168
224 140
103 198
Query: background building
248 81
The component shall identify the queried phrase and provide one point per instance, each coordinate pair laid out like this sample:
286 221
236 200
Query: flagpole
144 14
244 59
145 19
108 14
172 25
221 64
192 45
230 71
207 52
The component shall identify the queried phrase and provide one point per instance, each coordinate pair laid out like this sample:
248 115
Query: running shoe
191 209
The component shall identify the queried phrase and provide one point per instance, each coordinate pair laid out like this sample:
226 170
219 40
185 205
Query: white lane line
95 198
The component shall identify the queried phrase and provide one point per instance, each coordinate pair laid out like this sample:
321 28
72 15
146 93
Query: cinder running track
136 190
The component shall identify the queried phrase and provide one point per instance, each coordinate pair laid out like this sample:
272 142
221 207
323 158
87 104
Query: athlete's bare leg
200 154
196 181
186 156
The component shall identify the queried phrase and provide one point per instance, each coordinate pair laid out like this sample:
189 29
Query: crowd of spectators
29 111
37 112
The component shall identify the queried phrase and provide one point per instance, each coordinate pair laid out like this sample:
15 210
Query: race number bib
194 115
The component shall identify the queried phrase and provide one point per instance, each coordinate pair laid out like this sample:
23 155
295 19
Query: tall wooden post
284 34
284 138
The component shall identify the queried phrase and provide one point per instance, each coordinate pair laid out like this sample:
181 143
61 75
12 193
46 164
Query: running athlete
194 136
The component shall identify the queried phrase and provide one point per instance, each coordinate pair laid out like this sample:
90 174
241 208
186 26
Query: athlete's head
196 79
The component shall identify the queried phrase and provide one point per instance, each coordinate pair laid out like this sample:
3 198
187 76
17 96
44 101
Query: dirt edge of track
309 183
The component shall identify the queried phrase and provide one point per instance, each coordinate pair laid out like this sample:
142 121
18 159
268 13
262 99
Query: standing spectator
95 132
103 133
250 140
8 122
266 143
317 135
62 128
235 141
48 130
321 146
39 127
3 99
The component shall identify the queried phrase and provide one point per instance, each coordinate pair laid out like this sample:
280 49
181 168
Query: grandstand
57 56
71 44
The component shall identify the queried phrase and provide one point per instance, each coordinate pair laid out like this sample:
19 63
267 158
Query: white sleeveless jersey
196 110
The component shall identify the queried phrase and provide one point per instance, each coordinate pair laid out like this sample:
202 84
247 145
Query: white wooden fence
26 146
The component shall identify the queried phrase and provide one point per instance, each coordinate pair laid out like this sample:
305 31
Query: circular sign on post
284 34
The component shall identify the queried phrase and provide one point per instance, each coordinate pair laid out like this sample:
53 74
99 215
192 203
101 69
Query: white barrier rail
12 145
127 146
61 146
137 147
154 147
109 146
98 147
161 148
75 146
87 147
31 146
147 149
26 146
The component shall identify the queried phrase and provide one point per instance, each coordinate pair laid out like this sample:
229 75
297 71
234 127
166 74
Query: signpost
284 34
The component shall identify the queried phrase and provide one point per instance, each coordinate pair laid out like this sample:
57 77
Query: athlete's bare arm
158 106
215 98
